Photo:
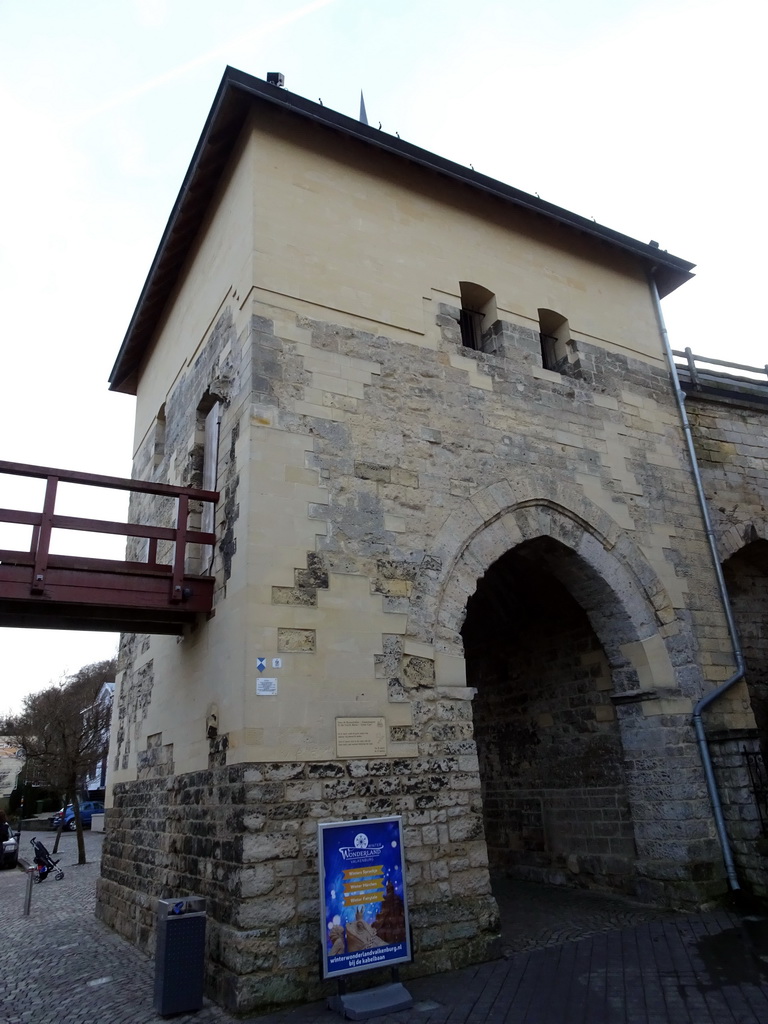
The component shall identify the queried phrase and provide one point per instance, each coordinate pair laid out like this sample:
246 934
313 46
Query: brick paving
62 966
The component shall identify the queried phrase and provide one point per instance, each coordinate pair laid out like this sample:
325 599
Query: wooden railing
43 564
696 372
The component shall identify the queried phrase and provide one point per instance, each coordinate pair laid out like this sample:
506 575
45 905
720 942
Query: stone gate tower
461 572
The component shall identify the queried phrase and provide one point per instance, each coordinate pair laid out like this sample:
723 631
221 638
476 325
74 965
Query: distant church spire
363 115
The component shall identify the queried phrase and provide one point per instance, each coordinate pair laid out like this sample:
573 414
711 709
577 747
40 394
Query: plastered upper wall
363 233
219 266
306 216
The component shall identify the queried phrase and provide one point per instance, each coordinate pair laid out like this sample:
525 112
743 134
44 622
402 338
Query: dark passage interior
555 803
740 755
746 575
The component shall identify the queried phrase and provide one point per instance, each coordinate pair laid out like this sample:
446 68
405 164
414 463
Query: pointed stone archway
604 725
556 806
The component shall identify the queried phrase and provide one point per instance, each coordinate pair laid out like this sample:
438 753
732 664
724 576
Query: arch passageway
746 575
556 806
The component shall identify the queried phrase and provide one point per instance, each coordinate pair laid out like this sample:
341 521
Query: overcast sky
648 116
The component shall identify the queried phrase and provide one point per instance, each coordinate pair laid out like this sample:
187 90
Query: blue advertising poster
362 895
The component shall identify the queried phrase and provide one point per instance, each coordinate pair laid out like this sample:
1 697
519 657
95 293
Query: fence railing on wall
696 371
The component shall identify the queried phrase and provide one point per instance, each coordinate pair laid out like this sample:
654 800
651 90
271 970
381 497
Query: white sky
648 115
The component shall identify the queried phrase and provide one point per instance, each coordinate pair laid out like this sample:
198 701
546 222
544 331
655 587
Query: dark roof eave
228 113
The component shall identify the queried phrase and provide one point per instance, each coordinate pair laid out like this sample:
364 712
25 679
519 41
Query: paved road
62 966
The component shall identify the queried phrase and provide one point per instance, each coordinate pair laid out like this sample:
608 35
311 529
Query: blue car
65 818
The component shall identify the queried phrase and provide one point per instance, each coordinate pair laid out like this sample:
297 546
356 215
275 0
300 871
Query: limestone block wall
369 485
731 441
746 832
245 838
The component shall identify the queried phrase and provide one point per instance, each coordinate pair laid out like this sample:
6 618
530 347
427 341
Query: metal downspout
701 737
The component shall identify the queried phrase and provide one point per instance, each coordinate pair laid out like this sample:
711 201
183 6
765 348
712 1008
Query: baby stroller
44 862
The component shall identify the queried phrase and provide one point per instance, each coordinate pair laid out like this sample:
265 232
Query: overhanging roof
237 96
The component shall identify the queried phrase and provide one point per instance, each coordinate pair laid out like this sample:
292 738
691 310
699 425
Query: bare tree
65 732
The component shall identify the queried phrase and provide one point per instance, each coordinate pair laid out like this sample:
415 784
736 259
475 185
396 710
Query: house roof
240 94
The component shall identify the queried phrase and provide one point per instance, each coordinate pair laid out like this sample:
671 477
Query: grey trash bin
180 955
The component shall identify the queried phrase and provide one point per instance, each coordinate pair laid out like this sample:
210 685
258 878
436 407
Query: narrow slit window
471 324
158 451
554 336
477 314
204 474
210 475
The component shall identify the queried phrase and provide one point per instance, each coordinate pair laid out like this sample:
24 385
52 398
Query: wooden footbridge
42 589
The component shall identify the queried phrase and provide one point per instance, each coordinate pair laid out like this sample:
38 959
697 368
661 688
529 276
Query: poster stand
364 913
372 1002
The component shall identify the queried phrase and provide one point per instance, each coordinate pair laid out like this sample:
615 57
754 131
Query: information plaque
361 737
364 909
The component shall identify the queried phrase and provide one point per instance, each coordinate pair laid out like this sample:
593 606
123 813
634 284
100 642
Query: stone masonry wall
424 451
746 576
731 441
740 806
245 837
435 425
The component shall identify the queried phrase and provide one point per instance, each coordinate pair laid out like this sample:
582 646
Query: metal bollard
180 955
28 894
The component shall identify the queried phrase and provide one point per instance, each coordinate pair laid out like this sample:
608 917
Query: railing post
180 553
692 369
30 873
44 536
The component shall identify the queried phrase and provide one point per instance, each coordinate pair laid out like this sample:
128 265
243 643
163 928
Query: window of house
210 476
158 451
478 314
205 476
210 460
554 335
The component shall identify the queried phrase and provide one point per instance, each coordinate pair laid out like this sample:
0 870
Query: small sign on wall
361 737
265 686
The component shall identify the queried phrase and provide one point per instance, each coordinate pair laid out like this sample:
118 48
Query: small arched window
554 335
478 314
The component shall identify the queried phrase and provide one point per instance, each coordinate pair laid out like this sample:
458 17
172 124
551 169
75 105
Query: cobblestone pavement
536 916
612 961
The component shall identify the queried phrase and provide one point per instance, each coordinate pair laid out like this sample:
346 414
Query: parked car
10 857
67 815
